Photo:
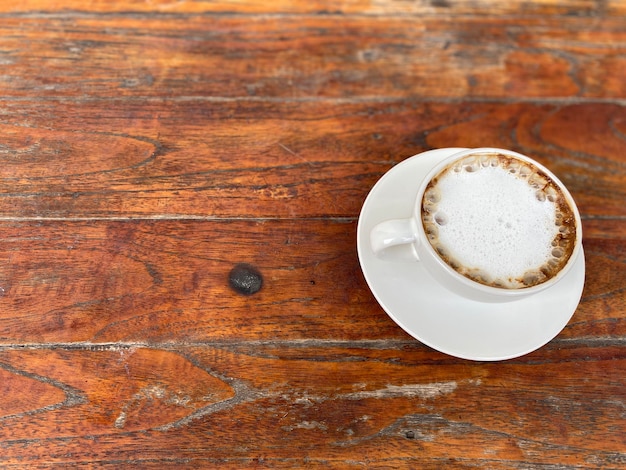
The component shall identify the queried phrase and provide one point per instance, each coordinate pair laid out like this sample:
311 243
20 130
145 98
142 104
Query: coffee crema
499 220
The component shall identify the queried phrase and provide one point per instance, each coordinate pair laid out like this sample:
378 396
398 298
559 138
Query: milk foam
499 221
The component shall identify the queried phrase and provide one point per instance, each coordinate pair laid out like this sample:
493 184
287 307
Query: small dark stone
410 435
245 279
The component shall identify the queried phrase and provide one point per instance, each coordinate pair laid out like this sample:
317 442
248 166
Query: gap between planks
600 10
173 218
380 344
203 218
558 100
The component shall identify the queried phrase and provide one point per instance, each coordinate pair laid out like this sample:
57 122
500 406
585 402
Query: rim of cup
501 292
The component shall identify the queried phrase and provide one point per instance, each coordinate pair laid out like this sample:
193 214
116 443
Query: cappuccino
499 220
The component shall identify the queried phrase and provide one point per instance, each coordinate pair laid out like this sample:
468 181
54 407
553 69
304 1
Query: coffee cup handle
395 233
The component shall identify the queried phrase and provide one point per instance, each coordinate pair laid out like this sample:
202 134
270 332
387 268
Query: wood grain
80 56
354 7
147 148
267 160
147 282
327 404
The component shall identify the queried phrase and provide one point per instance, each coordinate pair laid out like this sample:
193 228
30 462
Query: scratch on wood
306 425
424 391
288 150
243 394
124 355
121 420
149 393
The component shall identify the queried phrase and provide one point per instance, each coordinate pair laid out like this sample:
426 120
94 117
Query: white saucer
434 315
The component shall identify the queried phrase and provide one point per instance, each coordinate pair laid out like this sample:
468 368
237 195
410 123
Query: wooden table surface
147 148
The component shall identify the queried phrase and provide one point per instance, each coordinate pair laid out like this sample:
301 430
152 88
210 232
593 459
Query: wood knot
245 279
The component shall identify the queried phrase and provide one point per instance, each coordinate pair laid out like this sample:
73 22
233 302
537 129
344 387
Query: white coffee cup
493 180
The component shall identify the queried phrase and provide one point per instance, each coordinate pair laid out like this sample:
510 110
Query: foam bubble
441 218
499 221
432 195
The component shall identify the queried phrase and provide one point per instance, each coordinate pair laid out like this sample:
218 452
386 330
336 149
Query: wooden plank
354 7
155 282
304 56
334 406
265 159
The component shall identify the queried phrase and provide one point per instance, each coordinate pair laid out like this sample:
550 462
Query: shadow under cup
491 225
